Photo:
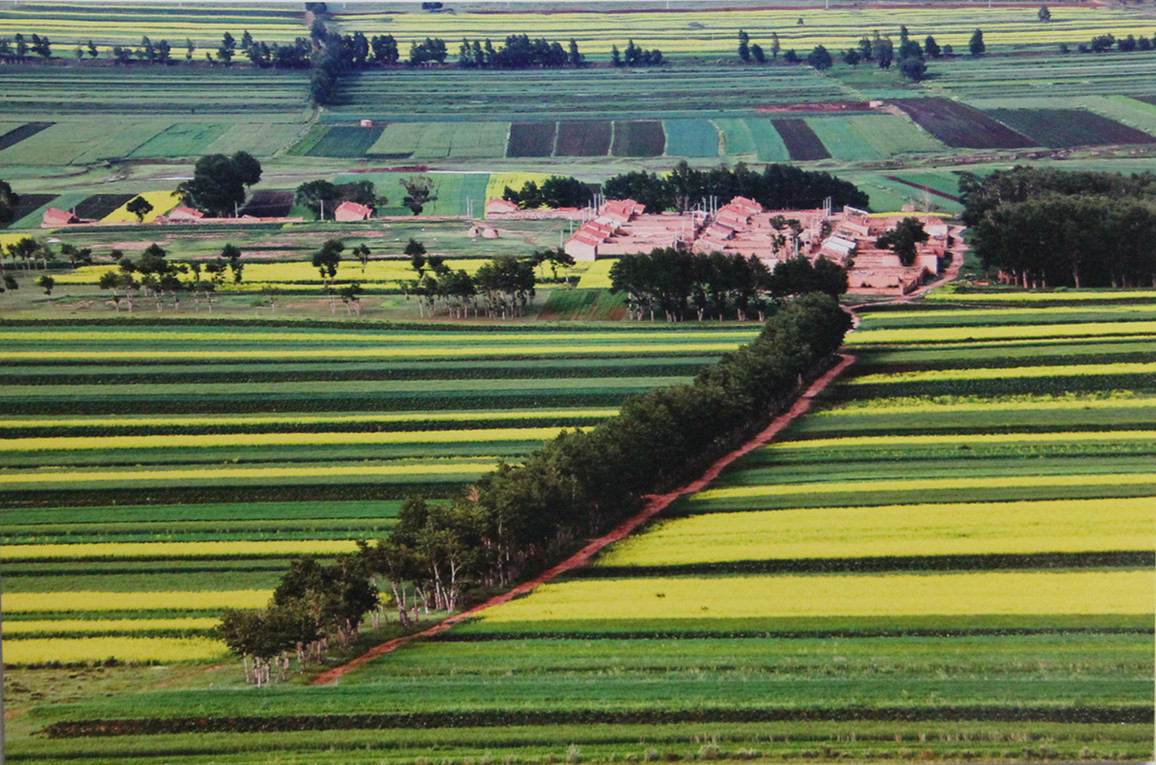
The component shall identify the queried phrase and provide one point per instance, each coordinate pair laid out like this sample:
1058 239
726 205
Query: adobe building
347 212
54 218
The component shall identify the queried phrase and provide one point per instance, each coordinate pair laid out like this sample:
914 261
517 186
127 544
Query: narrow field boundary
654 505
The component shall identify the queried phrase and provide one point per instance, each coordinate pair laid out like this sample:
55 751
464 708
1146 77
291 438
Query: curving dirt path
654 505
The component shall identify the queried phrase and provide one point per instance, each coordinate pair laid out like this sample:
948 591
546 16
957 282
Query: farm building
347 212
743 227
182 215
54 218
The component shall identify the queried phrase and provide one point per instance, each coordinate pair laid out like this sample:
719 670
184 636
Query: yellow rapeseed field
950 404
200 600
997 373
597 276
950 334
1038 296
499 181
185 421
162 202
383 338
895 530
64 626
177 549
711 31
555 348
129 649
964 438
955 594
928 484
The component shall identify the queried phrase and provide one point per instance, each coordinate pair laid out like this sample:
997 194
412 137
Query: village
739 227
742 227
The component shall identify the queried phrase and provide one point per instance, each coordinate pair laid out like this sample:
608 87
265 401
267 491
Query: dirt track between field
654 505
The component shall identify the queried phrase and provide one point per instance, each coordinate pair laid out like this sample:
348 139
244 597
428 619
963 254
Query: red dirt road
655 505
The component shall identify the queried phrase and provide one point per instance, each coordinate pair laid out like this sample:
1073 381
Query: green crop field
235 447
895 537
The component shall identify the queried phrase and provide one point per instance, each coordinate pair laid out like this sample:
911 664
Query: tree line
1041 227
501 288
518 52
909 58
677 283
777 187
518 520
158 278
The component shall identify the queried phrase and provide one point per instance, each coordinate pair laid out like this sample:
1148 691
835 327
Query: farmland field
1026 596
232 448
949 559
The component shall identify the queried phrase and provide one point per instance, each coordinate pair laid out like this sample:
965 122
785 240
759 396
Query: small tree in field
140 207
326 261
418 192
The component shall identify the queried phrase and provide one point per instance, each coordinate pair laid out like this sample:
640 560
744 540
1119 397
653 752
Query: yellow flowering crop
201 600
132 649
928 484
999 373
388 339
1042 311
162 202
950 334
947 404
597 276
178 549
554 348
954 438
1085 525
499 181
63 626
177 441
243 473
1034 297
955 594
184 421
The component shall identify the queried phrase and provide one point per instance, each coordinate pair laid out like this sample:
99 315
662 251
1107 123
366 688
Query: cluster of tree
753 52
17 49
519 520
154 275
1105 42
327 61
519 52
323 197
418 192
904 239
501 288
8 201
1042 227
326 260
219 183
777 187
556 191
312 605
633 55
675 283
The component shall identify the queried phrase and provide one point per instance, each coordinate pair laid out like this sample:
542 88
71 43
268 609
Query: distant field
1057 128
960 126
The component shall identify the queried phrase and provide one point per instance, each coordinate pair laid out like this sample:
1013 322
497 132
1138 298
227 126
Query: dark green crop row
534 369
505 718
305 404
82 497
1120 559
288 426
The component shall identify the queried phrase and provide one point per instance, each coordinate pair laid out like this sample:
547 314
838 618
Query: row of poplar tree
518 520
